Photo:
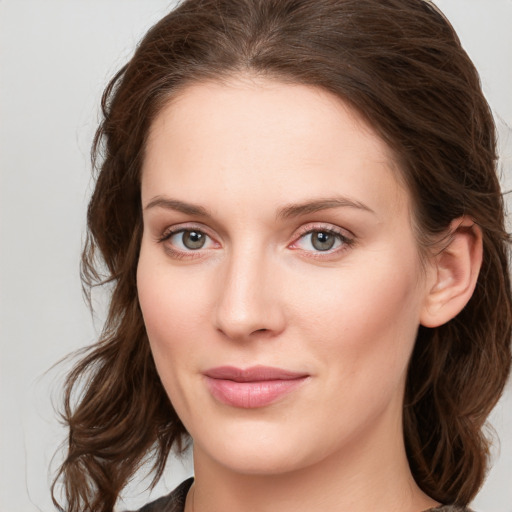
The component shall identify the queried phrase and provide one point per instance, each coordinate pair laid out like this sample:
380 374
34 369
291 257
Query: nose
248 304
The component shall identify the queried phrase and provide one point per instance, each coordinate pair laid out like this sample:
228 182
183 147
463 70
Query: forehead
269 137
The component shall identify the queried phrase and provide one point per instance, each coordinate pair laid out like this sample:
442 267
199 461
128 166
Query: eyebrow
286 212
307 207
179 206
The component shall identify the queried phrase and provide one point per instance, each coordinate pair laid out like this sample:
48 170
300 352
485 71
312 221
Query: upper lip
252 374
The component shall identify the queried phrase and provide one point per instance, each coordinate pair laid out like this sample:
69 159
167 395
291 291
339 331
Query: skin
259 292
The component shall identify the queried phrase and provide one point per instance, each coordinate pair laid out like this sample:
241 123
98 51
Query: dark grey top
175 502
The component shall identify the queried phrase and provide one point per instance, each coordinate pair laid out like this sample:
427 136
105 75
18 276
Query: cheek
172 312
365 319
173 316
368 295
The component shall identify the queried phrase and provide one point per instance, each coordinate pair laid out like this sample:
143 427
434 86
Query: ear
453 274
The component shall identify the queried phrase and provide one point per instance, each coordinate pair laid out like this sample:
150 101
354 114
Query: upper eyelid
177 252
322 226
347 238
186 226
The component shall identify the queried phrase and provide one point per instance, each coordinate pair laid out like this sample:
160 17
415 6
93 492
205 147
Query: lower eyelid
345 242
176 252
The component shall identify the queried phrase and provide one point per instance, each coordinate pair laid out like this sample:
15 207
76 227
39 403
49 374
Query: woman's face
279 277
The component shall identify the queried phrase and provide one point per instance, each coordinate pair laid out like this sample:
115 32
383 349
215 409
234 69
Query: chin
260 460
257 449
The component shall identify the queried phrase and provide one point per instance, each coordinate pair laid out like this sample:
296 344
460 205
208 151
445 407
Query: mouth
253 387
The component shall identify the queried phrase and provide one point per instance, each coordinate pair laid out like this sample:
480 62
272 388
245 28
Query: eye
319 241
322 241
181 241
189 239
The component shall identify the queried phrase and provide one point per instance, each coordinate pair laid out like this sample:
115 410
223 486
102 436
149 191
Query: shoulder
173 502
449 508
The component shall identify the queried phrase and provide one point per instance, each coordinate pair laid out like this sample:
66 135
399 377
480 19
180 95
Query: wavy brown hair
400 64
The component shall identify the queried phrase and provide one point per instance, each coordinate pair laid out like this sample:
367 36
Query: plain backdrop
55 58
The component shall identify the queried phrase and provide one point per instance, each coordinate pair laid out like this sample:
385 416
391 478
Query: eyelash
345 241
176 253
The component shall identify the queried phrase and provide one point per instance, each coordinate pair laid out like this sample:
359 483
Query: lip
253 387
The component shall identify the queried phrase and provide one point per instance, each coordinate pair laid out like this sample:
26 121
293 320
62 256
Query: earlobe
454 273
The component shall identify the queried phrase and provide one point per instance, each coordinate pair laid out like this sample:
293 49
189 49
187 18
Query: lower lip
250 395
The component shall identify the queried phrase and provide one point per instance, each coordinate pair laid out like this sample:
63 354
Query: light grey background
55 58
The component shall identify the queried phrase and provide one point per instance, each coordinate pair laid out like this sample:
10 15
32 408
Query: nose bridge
247 302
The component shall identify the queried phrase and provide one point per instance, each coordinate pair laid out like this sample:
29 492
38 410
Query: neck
371 474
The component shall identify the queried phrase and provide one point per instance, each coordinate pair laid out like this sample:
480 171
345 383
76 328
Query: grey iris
193 239
322 241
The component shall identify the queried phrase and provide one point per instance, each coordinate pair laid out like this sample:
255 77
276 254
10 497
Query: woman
299 215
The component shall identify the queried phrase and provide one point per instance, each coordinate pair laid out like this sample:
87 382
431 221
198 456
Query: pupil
193 239
322 241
